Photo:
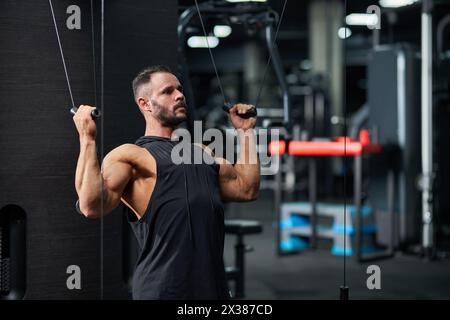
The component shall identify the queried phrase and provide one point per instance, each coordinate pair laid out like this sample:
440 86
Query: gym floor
318 275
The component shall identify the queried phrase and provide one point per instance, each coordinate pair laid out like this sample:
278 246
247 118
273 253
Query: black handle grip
95 113
249 114
343 293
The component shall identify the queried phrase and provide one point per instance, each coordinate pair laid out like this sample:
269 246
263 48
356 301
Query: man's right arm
99 190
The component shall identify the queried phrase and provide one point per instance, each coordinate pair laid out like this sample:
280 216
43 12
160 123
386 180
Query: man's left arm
240 182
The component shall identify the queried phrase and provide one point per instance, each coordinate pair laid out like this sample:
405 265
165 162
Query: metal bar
278 196
390 202
279 72
309 115
240 264
443 23
319 114
242 9
357 199
427 126
313 200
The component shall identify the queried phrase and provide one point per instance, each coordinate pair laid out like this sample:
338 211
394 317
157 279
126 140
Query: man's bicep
229 182
236 185
117 176
116 173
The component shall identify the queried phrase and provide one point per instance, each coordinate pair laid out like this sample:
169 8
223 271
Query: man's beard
167 117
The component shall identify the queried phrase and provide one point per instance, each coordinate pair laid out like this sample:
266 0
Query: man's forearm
247 165
88 179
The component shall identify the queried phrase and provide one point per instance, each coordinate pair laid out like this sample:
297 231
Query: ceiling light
361 19
203 42
344 33
222 31
396 3
246 0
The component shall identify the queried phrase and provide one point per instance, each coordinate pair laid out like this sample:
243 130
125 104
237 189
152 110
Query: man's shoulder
127 152
127 148
137 157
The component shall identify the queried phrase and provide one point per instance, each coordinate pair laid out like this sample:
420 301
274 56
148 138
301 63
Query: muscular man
176 209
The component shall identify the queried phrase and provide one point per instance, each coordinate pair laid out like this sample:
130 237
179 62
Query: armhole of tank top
215 165
144 217
129 214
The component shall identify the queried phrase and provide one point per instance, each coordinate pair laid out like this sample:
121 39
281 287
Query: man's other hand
238 121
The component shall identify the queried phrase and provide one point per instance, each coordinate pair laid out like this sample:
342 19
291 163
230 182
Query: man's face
167 99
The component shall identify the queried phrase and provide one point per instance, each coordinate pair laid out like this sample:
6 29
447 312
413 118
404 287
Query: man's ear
143 104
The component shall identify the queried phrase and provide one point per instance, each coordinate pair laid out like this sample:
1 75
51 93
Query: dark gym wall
138 33
39 141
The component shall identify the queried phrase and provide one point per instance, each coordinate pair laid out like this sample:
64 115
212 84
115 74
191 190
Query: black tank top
181 235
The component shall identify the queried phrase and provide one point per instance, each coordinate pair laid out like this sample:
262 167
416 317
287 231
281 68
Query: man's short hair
145 75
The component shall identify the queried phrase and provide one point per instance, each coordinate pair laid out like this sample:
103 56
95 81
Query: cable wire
210 53
270 55
62 54
102 87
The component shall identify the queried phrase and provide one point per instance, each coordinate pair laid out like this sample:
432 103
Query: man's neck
159 131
